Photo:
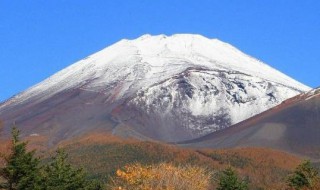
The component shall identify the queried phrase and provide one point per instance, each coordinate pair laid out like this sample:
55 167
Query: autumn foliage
162 176
101 155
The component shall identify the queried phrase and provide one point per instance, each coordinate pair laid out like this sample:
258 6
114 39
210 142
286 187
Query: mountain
169 88
293 126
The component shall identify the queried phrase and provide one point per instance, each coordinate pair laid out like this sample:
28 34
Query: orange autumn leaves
162 177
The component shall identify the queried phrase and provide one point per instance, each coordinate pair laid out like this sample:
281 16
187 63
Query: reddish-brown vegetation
4 150
162 176
265 168
103 154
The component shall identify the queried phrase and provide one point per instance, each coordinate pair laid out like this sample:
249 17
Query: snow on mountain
176 83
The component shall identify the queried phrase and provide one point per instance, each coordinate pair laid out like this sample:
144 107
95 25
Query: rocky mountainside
293 126
169 88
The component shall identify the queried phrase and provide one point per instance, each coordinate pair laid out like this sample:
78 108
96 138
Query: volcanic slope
293 126
168 88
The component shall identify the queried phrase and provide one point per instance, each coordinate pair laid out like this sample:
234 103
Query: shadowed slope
293 126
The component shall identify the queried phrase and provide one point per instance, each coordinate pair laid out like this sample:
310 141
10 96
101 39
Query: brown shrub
162 177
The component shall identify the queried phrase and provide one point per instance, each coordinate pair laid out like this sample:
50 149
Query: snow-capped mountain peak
188 83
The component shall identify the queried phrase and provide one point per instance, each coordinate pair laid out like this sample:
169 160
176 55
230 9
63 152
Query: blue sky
39 38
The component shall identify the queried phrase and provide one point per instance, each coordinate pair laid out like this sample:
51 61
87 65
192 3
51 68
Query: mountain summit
169 88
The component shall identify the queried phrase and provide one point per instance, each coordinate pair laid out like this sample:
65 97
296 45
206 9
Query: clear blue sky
39 37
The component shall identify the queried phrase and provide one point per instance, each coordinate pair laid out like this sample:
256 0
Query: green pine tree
22 168
304 176
59 175
229 181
